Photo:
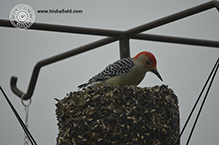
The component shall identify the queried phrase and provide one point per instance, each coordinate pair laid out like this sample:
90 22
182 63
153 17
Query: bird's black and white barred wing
119 67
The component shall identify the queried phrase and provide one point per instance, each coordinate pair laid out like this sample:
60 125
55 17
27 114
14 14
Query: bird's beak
156 73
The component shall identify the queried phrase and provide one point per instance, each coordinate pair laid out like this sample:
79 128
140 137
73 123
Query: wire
203 103
33 142
197 101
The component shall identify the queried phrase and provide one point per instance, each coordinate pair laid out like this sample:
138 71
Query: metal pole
124 47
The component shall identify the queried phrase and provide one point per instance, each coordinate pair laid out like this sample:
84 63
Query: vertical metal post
124 47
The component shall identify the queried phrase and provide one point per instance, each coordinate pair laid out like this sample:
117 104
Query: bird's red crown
149 55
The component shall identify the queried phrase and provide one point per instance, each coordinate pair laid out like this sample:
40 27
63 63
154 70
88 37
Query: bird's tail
83 85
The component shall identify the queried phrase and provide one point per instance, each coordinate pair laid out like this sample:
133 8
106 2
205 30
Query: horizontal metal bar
177 40
67 29
53 59
117 34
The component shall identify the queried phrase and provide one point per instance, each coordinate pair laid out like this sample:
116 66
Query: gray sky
183 68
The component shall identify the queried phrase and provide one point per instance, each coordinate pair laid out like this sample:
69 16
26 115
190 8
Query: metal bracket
122 36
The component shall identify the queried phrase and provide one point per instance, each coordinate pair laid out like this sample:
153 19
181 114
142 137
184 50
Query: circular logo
22 16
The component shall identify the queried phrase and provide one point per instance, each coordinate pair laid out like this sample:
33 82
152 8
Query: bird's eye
148 63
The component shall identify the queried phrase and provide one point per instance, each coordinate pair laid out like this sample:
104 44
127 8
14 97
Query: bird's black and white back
117 68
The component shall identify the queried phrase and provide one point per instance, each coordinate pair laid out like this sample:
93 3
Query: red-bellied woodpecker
127 71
